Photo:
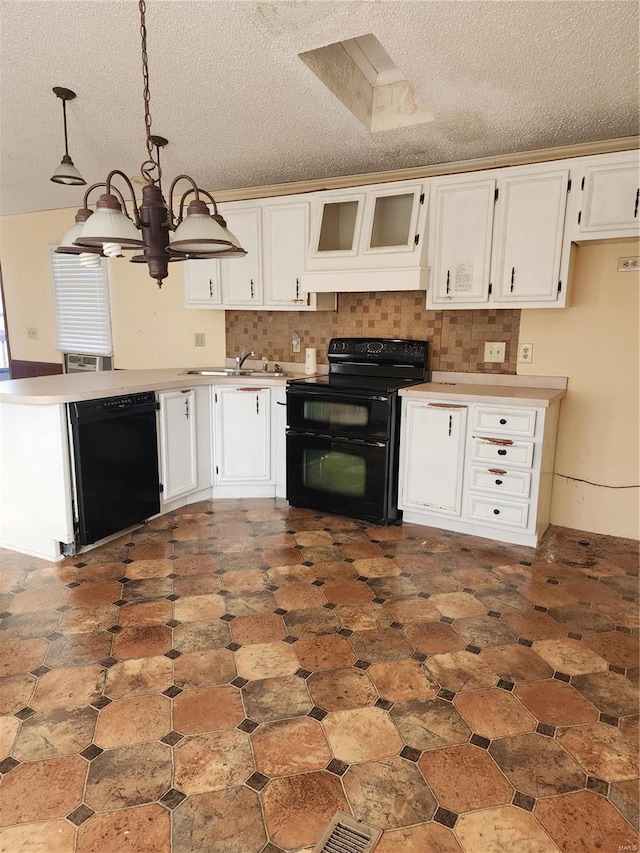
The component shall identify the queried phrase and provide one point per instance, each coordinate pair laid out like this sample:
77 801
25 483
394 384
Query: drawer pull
502 452
445 406
496 512
497 471
503 421
498 482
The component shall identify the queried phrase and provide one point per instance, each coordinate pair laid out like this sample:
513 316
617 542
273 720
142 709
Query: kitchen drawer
501 450
497 481
498 512
503 420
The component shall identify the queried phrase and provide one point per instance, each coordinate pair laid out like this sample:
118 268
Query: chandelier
111 229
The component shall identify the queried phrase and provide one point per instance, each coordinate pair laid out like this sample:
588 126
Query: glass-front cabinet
355 229
338 227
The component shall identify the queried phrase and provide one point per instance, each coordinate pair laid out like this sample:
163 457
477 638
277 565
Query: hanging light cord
151 165
64 120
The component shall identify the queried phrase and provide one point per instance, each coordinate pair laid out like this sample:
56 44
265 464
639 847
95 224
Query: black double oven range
343 428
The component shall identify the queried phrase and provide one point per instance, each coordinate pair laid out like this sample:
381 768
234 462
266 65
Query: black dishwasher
115 453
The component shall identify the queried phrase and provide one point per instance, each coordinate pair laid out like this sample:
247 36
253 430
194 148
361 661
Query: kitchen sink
233 371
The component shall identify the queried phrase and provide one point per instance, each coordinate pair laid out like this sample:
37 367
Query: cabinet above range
369 238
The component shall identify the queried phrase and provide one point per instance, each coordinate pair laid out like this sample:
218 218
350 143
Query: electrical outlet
32 333
628 264
525 353
495 351
199 339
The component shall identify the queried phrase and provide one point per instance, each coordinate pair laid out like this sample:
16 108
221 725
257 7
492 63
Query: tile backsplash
456 338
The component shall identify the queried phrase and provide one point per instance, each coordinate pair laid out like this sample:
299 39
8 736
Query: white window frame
81 304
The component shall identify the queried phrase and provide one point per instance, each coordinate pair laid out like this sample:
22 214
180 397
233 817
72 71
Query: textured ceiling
240 108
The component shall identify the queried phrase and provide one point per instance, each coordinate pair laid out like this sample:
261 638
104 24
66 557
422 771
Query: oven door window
343 476
334 472
370 417
336 415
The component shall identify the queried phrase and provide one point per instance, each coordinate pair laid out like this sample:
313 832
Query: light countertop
69 388
540 391
72 387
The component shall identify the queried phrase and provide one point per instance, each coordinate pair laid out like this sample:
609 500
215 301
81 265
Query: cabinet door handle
210 289
448 281
186 408
251 288
503 421
257 405
496 512
502 452
498 482
635 209
278 403
450 423
297 289
513 277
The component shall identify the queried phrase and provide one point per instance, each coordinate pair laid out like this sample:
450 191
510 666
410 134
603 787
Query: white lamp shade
109 226
200 233
67 244
66 173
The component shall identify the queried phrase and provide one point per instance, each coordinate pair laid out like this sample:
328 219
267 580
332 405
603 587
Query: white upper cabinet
357 229
500 241
242 277
528 244
275 234
286 238
368 238
202 284
392 223
610 197
337 219
460 241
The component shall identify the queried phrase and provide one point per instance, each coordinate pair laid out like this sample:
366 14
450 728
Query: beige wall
595 344
151 327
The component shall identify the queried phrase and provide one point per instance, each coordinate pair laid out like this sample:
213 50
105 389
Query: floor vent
345 834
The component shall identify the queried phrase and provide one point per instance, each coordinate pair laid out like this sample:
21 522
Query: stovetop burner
371 364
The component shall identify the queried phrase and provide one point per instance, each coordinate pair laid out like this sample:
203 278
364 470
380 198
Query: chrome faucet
240 359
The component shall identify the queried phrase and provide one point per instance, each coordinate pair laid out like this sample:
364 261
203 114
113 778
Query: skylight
362 75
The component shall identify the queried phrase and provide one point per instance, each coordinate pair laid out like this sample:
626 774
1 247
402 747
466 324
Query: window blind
81 297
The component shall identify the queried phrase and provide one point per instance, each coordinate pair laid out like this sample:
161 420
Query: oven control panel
379 350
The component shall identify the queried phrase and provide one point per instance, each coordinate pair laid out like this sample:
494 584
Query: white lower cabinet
242 427
178 443
184 436
280 439
433 437
466 467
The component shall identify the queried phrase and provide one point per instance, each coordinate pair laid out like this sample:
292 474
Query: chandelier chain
151 165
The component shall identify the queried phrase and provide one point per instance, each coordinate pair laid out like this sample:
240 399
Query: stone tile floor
230 675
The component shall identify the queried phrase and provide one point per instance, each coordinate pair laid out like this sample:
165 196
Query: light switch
494 351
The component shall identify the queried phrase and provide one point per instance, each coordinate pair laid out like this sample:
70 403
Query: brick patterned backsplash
456 338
